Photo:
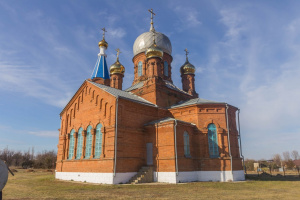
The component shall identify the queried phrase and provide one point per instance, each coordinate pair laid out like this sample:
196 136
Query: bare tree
286 156
277 159
7 155
295 155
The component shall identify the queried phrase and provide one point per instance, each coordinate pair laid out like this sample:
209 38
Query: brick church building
153 130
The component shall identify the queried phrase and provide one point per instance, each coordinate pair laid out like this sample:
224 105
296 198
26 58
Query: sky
246 53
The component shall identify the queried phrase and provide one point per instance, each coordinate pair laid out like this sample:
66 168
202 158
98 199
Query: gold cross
118 53
186 53
104 30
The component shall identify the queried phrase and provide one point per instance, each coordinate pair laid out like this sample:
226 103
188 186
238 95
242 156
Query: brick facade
146 125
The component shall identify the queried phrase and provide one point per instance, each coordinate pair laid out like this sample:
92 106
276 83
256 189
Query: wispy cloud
45 133
116 32
29 81
268 99
188 17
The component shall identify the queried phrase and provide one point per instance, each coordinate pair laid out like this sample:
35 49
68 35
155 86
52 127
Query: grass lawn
42 185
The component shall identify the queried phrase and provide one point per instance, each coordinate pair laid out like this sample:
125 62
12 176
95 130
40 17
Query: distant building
109 135
256 166
297 163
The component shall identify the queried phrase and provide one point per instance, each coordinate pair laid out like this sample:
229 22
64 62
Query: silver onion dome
145 40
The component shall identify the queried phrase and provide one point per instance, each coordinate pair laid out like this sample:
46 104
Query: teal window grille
98 145
88 145
79 144
213 141
166 69
140 68
71 144
186 140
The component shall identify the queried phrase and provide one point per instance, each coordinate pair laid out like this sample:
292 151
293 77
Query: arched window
88 145
71 144
186 140
213 141
79 144
166 68
140 68
98 145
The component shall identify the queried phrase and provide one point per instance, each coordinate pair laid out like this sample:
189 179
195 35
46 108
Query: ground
41 184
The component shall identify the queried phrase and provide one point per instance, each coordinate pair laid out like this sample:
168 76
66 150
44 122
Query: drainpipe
116 136
241 141
229 147
175 141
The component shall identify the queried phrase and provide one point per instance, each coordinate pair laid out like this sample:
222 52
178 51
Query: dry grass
41 184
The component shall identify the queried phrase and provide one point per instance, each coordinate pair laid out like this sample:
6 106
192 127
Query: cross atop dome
186 54
118 53
103 34
103 42
152 13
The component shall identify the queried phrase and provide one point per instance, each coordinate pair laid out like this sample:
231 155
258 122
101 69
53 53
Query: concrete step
144 175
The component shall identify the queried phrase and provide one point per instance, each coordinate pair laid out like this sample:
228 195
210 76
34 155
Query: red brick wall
89 106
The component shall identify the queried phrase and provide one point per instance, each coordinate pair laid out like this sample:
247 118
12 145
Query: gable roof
123 94
166 119
195 101
135 86
168 84
174 87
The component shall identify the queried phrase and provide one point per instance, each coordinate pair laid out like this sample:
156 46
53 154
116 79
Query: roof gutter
228 138
116 136
241 142
175 144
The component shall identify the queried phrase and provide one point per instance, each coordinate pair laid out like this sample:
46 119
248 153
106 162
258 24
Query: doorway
149 154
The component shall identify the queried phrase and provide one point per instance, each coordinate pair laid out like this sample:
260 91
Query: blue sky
247 53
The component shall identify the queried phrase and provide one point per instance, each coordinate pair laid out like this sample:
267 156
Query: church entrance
149 154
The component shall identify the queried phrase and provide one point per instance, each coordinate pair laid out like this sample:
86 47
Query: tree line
27 159
286 161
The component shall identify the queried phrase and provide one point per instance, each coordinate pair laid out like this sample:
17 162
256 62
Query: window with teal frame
71 144
88 145
140 68
79 144
186 140
166 69
213 141
98 145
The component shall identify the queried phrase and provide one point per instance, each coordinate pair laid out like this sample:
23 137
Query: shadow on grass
268 177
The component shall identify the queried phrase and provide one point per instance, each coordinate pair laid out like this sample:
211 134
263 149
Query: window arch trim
71 144
79 143
166 68
186 141
98 141
88 146
140 68
213 141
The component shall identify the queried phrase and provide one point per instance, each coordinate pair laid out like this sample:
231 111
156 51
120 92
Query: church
152 131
